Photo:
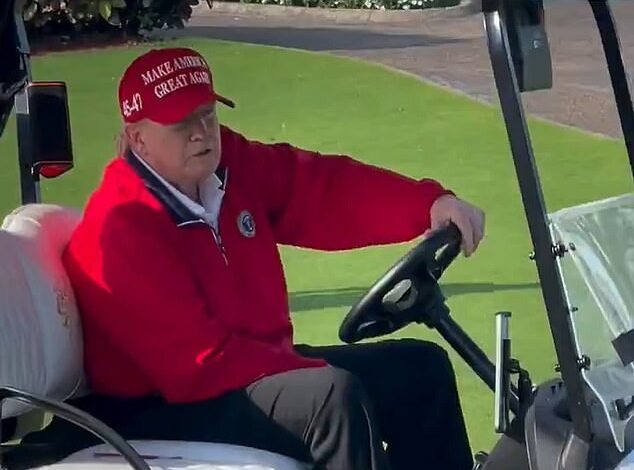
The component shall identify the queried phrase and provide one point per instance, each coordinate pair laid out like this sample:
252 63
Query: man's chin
206 172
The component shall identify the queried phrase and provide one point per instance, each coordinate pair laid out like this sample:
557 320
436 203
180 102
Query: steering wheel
407 293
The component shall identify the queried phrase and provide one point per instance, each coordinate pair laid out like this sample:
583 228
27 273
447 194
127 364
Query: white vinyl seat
174 455
41 345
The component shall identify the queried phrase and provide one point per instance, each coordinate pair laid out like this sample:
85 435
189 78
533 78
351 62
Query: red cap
166 85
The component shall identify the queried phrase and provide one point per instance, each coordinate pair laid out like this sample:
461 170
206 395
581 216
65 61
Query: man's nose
200 130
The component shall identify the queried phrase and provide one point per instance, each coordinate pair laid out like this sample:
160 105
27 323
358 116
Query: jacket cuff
433 190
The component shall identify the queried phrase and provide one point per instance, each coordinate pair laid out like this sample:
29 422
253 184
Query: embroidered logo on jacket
246 224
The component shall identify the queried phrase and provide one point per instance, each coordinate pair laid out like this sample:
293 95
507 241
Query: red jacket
167 310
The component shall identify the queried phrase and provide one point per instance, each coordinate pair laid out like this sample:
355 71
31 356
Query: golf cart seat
41 346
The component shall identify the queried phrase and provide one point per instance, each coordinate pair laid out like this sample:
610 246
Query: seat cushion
176 455
41 344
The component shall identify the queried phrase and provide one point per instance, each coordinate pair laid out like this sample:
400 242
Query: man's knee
343 405
422 360
343 432
419 350
343 389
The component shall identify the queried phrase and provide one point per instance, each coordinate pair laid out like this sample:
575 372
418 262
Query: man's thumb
438 223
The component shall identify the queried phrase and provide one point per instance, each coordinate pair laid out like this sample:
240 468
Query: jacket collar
181 214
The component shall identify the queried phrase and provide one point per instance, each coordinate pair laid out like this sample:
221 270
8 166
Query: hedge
69 17
103 15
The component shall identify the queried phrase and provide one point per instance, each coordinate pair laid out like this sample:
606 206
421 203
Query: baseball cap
166 85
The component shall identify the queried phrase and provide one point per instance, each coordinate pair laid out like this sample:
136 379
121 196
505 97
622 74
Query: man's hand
468 218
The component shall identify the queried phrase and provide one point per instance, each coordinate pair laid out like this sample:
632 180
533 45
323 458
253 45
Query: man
184 303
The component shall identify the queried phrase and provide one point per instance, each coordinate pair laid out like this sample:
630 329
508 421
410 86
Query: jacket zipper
215 234
219 244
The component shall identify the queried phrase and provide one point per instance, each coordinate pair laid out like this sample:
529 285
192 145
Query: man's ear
134 136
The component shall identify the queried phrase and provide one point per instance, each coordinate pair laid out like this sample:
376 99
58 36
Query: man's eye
180 127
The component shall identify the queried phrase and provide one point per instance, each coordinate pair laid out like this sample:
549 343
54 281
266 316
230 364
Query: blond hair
122 144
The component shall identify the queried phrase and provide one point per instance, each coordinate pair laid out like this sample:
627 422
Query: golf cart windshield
598 275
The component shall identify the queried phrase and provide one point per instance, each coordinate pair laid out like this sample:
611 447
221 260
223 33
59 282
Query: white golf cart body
41 345
40 326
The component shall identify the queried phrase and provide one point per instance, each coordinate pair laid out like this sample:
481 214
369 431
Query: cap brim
182 106
225 101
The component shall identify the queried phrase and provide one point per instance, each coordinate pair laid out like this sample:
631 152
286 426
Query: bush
364 4
69 18
131 16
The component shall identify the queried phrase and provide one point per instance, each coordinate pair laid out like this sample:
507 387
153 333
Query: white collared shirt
210 193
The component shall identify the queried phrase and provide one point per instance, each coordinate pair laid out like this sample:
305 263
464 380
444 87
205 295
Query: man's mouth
202 153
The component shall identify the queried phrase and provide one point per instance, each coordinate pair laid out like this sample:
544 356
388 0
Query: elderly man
184 303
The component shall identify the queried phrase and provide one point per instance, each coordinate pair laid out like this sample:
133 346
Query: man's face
184 153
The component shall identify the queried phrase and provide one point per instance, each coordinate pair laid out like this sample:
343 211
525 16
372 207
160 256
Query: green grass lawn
338 105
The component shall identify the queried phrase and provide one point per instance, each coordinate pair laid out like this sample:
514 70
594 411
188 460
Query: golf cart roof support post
29 178
536 215
612 50
23 41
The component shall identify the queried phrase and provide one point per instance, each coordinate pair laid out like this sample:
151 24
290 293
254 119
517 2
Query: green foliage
71 16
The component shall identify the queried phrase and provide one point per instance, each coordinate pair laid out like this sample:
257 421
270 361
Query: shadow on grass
317 299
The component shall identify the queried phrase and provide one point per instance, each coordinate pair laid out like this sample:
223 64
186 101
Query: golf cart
584 258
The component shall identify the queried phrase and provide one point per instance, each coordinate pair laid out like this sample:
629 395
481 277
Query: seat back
41 348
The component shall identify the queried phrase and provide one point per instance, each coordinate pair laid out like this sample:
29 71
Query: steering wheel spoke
406 292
